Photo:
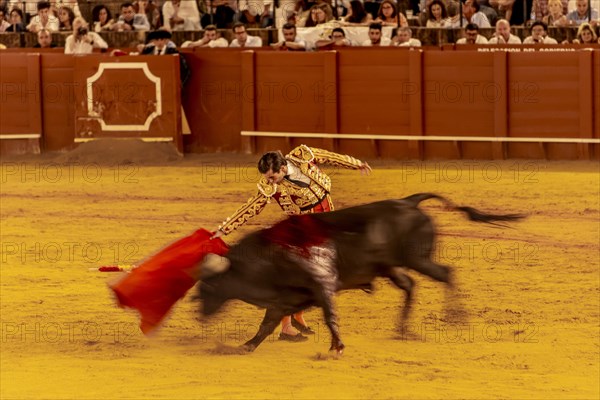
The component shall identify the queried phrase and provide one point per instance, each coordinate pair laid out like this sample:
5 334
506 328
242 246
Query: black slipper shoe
303 329
292 338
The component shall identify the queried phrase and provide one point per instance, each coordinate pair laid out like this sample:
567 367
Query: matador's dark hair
273 160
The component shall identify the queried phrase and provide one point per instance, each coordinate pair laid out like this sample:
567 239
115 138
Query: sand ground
531 292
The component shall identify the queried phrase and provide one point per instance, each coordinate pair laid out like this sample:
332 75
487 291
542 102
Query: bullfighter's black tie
295 182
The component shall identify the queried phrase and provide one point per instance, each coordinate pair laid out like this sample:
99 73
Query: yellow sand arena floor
531 292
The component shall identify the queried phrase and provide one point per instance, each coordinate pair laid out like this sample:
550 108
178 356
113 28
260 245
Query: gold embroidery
252 208
340 160
292 198
266 188
301 154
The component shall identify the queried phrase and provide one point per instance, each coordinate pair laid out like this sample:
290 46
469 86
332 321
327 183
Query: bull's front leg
325 298
321 266
267 326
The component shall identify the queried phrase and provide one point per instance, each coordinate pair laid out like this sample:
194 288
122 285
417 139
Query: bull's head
213 291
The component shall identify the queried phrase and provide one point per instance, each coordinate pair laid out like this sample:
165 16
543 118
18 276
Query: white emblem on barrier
126 65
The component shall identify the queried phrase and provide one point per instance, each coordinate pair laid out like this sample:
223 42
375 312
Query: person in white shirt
212 38
82 41
503 35
404 38
242 39
539 34
44 19
375 36
181 15
472 36
290 39
474 15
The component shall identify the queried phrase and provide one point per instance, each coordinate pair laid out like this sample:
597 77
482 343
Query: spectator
319 14
541 9
503 35
375 36
336 39
586 34
44 38
30 7
220 13
212 38
257 13
3 22
159 43
357 15
16 21
102 19
437 15
489 12
539 34
152 12
290 41
404 38
43 19
513 10
65 19
581 14
472 13
181 15
82 41
472 36
72 4
372 7
555 16
130 21
242 39
286 9
388 15
454 19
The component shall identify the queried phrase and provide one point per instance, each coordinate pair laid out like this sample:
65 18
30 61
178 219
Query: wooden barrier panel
544 102
377 92
213 99
20 103
58 92
128 97
291 94
395 93
459 100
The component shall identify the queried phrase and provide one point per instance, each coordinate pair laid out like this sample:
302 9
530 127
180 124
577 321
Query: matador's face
276 177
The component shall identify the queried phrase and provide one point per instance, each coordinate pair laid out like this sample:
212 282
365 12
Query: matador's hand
365 169
217 234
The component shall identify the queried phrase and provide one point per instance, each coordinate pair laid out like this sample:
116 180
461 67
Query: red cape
155 285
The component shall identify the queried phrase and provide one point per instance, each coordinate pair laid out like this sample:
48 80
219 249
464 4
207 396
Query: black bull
302 261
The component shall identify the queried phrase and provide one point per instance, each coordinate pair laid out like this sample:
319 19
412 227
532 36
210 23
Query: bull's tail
473 214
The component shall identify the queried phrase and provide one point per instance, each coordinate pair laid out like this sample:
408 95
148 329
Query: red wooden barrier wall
352 91
48 92
20 103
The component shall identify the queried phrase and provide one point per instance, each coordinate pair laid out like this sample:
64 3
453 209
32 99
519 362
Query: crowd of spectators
333 18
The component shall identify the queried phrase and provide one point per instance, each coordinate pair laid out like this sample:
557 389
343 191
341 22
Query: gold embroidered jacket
292 198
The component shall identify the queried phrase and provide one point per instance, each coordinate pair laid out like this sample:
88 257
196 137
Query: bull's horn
213 264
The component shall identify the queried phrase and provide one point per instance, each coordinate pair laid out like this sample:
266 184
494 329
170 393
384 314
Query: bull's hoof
292 338
248 348
338 349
